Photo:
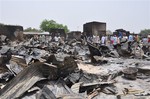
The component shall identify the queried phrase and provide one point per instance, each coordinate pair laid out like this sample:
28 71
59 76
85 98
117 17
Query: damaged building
11 30
74 35
94 28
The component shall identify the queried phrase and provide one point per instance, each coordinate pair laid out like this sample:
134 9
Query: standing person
49 38
115 41
137 39
43 39
103 40
148 39
97 40
111 40
118 40
83 36
125 37
94 39
16 33
145 41
120 36
40 38
46 39
59 37
90 39
56 38
130 40
61 41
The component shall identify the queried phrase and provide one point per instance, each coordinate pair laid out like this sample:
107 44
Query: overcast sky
132 15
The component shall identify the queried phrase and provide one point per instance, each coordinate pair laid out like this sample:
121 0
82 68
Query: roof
36 33
95 22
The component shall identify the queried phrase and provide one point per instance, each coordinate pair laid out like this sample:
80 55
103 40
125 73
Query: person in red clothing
148 38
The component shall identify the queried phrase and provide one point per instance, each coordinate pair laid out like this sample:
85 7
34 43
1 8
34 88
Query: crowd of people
113 40
46 39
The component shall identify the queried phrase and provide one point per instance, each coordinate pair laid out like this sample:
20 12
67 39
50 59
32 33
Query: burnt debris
74 69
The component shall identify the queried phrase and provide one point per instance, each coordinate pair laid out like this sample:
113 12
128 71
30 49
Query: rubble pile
34 70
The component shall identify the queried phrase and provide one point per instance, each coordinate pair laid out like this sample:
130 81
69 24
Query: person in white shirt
115 41
97 39
103 40
94 39
56 39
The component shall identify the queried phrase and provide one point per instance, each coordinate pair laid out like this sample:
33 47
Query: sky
131 15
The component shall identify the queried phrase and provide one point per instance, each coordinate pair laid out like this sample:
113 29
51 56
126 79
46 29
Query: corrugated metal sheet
75 88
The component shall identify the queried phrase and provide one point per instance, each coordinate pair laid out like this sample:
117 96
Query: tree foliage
1 24
46 25
145 32
32 30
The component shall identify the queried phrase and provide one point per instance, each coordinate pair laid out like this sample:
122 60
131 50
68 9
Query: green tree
46 25
145 32
32 30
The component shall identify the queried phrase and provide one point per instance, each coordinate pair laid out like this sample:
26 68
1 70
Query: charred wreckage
76 69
